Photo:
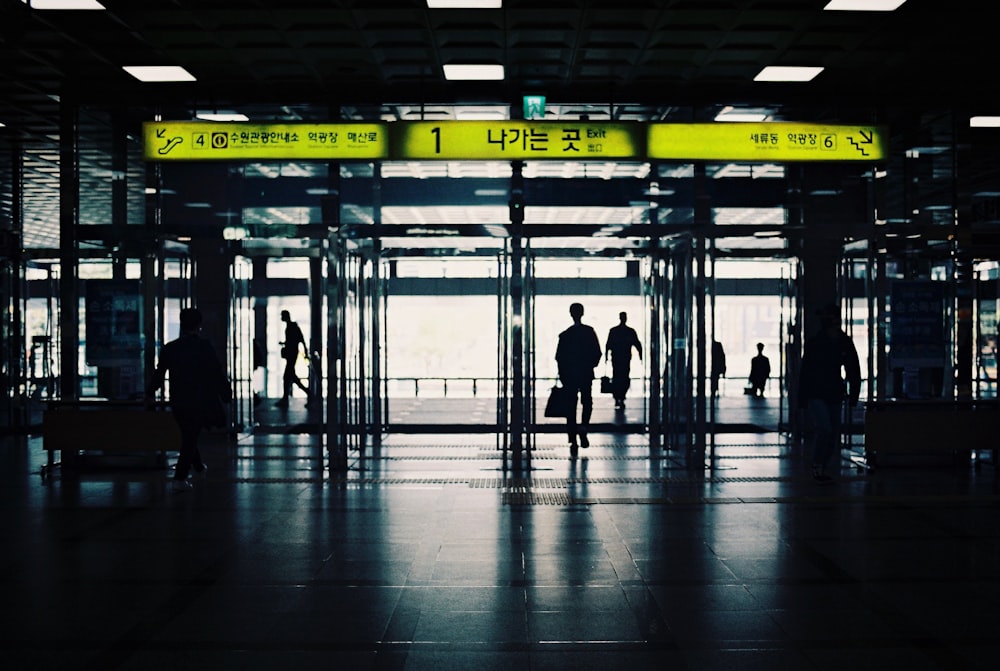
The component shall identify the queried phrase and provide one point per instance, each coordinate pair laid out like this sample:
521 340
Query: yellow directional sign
776 142
209 141
513 140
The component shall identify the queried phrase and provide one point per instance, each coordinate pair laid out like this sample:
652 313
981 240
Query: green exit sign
534 107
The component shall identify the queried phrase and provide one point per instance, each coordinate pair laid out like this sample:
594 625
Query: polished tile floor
427 554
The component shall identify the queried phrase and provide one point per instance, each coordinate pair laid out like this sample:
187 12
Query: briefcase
561 403
606 386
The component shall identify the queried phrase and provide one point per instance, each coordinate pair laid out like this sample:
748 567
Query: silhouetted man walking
621 340
577 354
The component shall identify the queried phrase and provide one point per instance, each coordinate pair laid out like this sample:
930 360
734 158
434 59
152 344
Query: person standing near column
760 371
577 353
621 340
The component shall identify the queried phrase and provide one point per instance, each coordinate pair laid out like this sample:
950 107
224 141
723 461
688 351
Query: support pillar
69 220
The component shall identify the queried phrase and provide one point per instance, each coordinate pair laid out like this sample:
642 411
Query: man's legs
287 378
826 433
619 383
290 379
571 420
189 424
587 403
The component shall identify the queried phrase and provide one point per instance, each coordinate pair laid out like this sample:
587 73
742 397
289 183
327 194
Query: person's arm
852 368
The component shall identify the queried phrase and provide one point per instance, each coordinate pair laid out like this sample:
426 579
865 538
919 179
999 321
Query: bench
941 431
109 427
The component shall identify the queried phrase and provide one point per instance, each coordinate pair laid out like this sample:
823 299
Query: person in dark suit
577 353
828 356
760 371
621 339
198 387
294 340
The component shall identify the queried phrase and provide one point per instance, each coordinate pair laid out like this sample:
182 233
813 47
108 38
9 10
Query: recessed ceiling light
864 5
984 122
159 73
464 4
63 4
782 73
455 72
730 113
222 116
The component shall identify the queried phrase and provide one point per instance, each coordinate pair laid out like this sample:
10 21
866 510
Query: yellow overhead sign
209 141
514 140
776 142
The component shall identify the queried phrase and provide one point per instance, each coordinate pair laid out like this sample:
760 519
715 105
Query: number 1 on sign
436 131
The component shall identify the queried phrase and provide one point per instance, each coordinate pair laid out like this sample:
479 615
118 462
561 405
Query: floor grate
531 498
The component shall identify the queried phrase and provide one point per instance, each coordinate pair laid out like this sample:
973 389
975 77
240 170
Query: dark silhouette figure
760 371
198 387
290 353
822 387
621 340
576 355
718 366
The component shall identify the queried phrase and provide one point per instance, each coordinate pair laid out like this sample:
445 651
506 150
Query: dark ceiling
667 53
920 70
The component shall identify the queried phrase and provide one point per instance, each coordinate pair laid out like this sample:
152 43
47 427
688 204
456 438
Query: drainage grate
531 498
518 483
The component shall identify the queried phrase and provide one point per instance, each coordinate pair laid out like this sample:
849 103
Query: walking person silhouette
290 347
830 377
621 339
198 386
577 353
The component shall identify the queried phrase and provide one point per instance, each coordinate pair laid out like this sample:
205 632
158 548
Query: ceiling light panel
159 73
784 73
63 4
466 72
464 4
864 5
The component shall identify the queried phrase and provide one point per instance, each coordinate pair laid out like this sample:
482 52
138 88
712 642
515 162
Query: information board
113 322
916 324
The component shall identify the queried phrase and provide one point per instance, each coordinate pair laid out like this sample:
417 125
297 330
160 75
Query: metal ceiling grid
670 60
